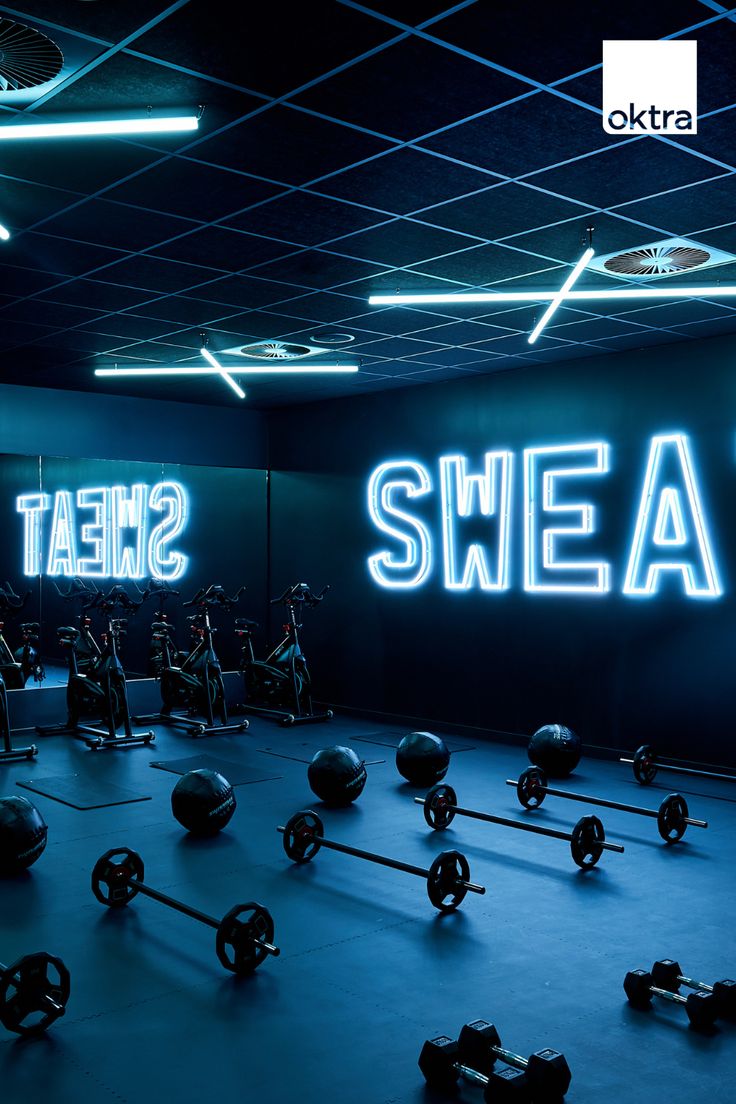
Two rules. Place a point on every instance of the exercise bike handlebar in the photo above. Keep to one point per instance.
(300, 592)
(214, 595)
(158, 588)
(9, 600)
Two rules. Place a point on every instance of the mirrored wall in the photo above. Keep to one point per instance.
(108, 522)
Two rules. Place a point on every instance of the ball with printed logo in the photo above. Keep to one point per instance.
(556, 749)
(23, 834)
(203, 802)
(337, 775)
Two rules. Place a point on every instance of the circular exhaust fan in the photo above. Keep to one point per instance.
(657, 260)
(276, 350)
(27, 57)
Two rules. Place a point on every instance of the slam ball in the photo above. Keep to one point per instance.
(23, 834)
(422, 758)
(203, 802)
(556, 750)
(336, 775)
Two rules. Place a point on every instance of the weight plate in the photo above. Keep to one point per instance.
(438, 807)
(585, 844)
(236, 944)
(645, 767)
(301, 836)
(30, 999)
(671, 818)
(444, 879)
(531, 787)
(115, 875)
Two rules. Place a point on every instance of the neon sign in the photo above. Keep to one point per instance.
(670, 546)
(106, 532)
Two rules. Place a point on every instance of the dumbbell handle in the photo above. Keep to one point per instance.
(470, 1074)
(676, 998)
(689, 983)
(609, 804)
(179, 906)
(509, 1057)
(535, 828)
(382, 860)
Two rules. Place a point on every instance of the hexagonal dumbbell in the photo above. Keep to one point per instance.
(440, 1063)
(667, 974)
(700, 1007)
(546, 1071)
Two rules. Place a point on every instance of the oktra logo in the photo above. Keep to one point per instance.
(650, 87)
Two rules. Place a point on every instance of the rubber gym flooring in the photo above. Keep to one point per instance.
(368, 968)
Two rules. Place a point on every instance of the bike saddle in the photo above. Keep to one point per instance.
(244, 623)
(68, 634)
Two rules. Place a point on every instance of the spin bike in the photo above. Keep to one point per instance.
(28, 655)
(162, 651)
(96, 687)
(194, 688)
(9, 753)
(280, 686)
(11, 670)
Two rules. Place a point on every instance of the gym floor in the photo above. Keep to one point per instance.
(368, 968)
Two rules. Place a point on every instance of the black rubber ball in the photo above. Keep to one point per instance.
(23, 834)
(422, 758)
(336, 775)
(203, 802)
(556, 750)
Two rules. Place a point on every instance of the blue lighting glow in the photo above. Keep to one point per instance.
(493, 491)
(391, 480)
(561, 294)
(544, 572)
(106, 532)
(670, 518)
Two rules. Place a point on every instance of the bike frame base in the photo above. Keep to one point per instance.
(14, 754)
(190, 724)
(284, 716)
(96, 738)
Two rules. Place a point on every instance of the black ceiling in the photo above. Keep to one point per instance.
(346, 149)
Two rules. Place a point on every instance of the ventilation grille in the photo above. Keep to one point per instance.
(662, 258)
(273, 350)
(27, 57)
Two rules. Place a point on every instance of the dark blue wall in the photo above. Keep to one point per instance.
(622, 670)
(37, 421)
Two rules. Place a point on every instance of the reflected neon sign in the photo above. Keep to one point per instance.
(105, 532)
(468, 504)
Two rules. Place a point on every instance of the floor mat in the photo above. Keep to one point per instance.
(305, 753)
(393, 738)
(236, 774)
(81, 792)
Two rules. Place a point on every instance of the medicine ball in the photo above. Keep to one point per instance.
(556, 750)
(203, 802)
(422, 758)
(23, 834)
(337, 776)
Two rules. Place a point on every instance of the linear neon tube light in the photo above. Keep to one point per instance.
(714, 291)
(225, 375)
(560, 295)
(258, 370)
(91, 127)
(4, 233)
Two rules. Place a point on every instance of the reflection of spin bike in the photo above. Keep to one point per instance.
(280, 686)
(9, 753)
(194, 688)
(96, 687)
(17, 667)
(162, 651)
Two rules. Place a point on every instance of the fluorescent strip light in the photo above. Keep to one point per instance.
(715, 291)
(225, 375)
(4, 233)
(560, 295)
(316, 369)
(92, 127)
